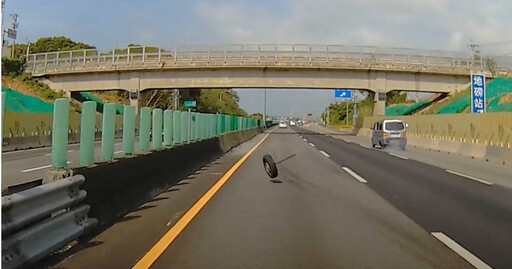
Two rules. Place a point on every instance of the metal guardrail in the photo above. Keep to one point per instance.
(36, 222)
(327, 56)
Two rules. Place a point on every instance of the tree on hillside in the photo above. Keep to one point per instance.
(395, 97)
(208, 101)
(57, 43)
(257, 116)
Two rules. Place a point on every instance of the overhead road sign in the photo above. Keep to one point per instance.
(343, 93)
(187, 104)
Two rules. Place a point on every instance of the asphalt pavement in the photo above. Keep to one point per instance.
(476, 215)
(314, 215)
(335, 204)
(24, 166)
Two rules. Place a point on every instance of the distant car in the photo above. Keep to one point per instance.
(300, 122)
(282, 124)
(292, 123)
(389, 133)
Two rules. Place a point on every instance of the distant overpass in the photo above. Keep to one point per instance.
(138, 69)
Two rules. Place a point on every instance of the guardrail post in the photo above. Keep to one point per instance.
(168, 128)
(157, 129)
(60, 133)
(87, 133)
(144, 129)
(184, 127)
(176, 128)
(108, 132)
(128, 130)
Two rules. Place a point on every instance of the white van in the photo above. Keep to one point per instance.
(389, 133)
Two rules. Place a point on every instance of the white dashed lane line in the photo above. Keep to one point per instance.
(470, 177)
(398, 156)
(38, 168)
(464, 253)
(354, 175)
(325, 154)
(312, 144)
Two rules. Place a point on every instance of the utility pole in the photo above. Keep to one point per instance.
(13, 32)
(346, 116)
(176, 97)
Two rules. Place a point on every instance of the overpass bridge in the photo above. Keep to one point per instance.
(139, 69)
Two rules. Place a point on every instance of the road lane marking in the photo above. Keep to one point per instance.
(152, 255)
(470, 177)
(398, 156)
(325, 154)
(312, 144)
(305, 139)
(354, 174)
(48, 154)
(38, 168)
(118, 152)
(216, 173)
(464, 253)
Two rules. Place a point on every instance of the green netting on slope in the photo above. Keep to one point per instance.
(456, 106)
(19, 102)
(84, 96)
(404, 109)
(495, 89)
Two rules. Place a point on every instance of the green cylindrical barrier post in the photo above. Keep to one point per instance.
(222, 123)
(3, 113)
(203, 126)
(128, 130)
(209, 118)
(193, 128)
(213, 125)
(157, 129)
(108, 131)
(144, 129)
(197, 127)
(184, 127)
(168, 128)
(87, 133)
(60, 133)
(216, 124)
(176, 128)
(226, 123)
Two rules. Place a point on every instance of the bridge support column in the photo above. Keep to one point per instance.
(379, 105)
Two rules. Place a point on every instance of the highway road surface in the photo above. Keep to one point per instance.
(24, 166)
(334, 205)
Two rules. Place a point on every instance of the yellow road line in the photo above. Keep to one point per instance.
(169, 237)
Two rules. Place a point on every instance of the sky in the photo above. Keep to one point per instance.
(429, 24)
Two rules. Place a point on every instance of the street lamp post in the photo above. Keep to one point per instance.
(265, 108)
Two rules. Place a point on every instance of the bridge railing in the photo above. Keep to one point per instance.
(329, 56)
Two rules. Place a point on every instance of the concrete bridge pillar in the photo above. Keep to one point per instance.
(379, 105)
(138, 99)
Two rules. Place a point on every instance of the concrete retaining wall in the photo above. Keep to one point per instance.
(491, 153)
(113, 189)
(488, 128)
(24, 130)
